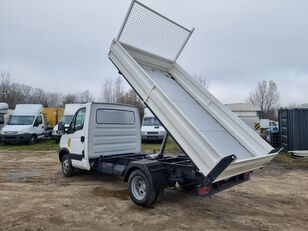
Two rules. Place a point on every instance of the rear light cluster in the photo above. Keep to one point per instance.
(204, 190)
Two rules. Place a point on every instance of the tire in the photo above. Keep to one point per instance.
(67, 167)
(141, 189)
(33, 139)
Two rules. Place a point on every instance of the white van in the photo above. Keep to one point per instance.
(69, 112)
(151, 129)
(26, 125)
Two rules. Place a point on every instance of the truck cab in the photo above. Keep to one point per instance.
(26, 125)
(100, 129)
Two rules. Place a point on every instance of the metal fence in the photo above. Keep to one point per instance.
(148, 30)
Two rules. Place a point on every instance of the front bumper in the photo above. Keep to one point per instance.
(152, 137)
(16, 138)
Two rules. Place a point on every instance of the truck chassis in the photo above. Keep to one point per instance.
(149, 174)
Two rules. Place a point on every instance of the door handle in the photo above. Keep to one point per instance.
(82, 139)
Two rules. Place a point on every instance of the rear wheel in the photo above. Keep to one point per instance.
(67, 167)
(140, 189)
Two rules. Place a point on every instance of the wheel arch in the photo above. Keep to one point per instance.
(155, 172)
(129, 171)
(62, 152)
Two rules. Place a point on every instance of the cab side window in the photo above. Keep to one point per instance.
(78, 120)
(38, 120)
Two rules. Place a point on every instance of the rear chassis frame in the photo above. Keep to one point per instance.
(171, 172)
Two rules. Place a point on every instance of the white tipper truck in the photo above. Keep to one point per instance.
(219, 148)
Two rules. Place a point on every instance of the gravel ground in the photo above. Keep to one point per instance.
(35, 196)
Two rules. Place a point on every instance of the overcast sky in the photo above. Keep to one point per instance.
(62, 45)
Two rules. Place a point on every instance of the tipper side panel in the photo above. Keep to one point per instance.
(145, 52)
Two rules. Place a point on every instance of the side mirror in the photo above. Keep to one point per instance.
(61, 127)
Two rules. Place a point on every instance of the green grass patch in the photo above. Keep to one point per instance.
(171, 147)
(285, 158)
(42, 145)
(49, 145)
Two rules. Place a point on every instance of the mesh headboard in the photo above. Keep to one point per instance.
(147, 30)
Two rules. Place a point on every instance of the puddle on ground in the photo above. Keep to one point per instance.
(21, 175)
(103, 192)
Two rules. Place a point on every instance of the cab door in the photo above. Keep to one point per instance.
(76, 140)
(38, 126)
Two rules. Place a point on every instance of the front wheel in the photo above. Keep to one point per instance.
(33, 139)
(67, 167)
(140, 189)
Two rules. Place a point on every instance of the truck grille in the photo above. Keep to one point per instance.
(152, 133)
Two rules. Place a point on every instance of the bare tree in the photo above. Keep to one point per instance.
(107, 95)
(118, 88)
(266, 96)
(85, 97)
(54, 99)
(112, 90)
(130, 97)
(15, 93)
(38, 96)
(5, 85)
(69, 98)
(203, 81)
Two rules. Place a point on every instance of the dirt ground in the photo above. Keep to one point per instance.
(35, 196)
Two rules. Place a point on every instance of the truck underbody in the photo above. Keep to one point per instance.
(163, 172)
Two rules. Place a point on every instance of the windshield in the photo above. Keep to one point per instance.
(1, 119)
(151, 121)
(66, 119)
(21, 120)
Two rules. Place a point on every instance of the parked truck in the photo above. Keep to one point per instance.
(69, 111)
(26, 125)
(219, 148)
(151, 129)
(269, 125)
(53, 114)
